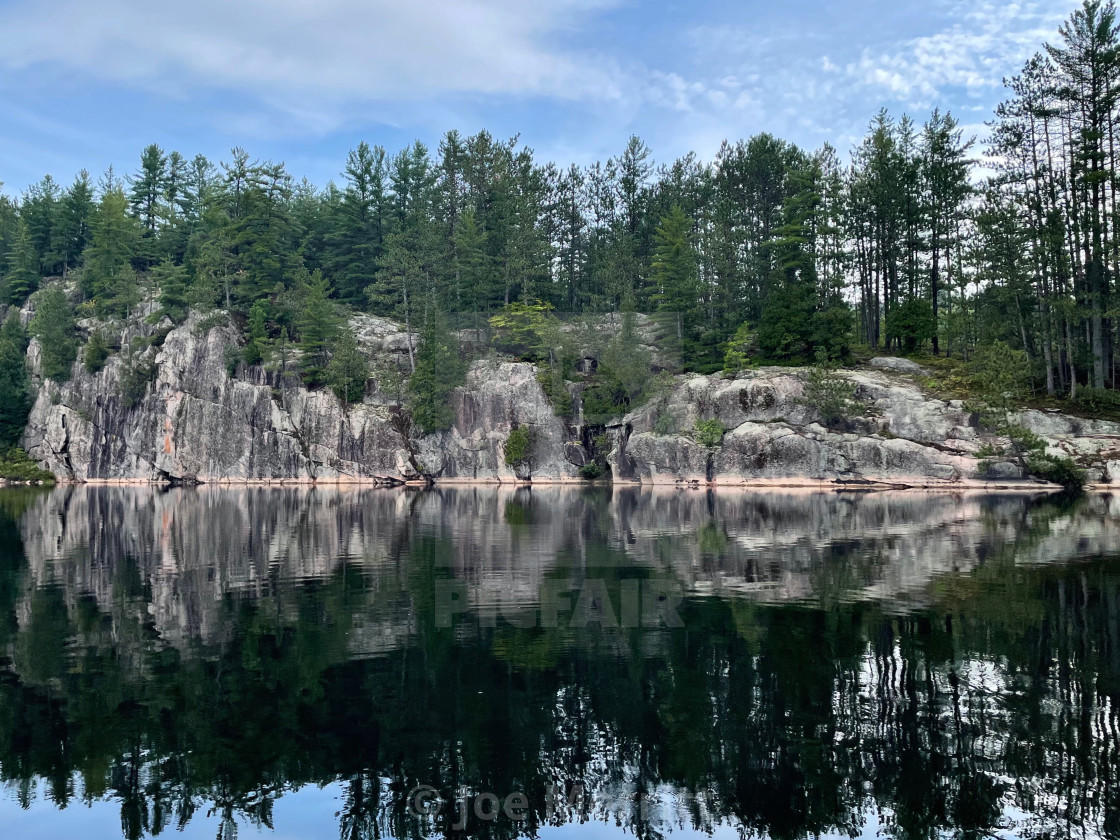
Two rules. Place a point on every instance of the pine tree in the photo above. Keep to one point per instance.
(171, 280)
(348, 369)
(257, 339)
(107, 260)
(53, 325)
(15, 385)
(439, 370)
(22, 277)
(318, 326)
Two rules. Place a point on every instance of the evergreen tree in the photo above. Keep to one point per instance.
(318, 326)
(439, 370)
(73, 229)
(256, 340)
(53, 325)
(22, 276)
(348, 369)
(15, 386)
(106, 269)
(171, 281)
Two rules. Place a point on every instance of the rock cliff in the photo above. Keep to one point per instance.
(201, 419)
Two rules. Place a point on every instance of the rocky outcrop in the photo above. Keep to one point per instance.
(197, 423)
(898, 436)
(203, 419)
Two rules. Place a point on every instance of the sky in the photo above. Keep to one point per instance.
(88, 84)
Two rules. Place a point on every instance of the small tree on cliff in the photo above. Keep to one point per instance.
(15, 387)
(54, 326)
(349, 369)
(439, 370)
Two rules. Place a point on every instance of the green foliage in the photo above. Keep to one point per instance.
(348, 369)
(519, 446)
(1057, 469)
(107, 276)
(97, 352)
(137, 373)
(592, 471)
(708, 433)
(16, 465)
(911, 324)
(15, 385)
(439, 370)
(522, 329)
(738, 355)
(1001, 375)
(666, 424)
(22, 276)
(256, 340)
(553, 381)
(171, 280)
(53, 325)
(829, 395)
(785, 330)
(318, 326)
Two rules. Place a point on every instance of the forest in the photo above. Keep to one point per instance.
(917, 242)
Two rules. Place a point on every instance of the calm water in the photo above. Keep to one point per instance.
(557, 662)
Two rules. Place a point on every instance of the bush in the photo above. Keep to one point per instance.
(666, 424)
(519, 446)
(551, 377)
(348, 369)
(96, 353)
(592, 471)
(520, 329)
(137, 373)
(708, 433)
(16, 465)
(829, 395)
(1058, 470)
(911, 323)
(738, 354)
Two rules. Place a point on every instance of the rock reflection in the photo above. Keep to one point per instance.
(922, 663)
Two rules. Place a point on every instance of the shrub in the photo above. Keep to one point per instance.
(96, 353)
(592, 471)
(1058, 470)
(666, 424)
(519, 445)
(348, 369)
(911, 323)
(738, 354)
(826, 393)
(16, 465)
(520, 329)
(708, 433)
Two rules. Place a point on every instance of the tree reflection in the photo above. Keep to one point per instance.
(987, 693)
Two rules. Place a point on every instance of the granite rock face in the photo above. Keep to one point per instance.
(897, 436)
(197, 423)
(200, 418)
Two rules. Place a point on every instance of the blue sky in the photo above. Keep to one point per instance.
(88, 84)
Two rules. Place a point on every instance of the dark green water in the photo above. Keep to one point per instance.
(310, 663)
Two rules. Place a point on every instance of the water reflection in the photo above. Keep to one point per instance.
(912, 664)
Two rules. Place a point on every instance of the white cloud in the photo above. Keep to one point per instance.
(313, 52)
(993, 40)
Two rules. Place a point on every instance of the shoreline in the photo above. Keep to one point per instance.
(904, 484)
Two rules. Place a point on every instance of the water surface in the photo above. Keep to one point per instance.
(557, 662)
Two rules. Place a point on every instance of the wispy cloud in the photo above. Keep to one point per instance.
(314, 53)
(985, 41)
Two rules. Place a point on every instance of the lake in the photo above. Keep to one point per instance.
(557, 662)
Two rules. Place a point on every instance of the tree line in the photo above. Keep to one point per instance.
(766, 252)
